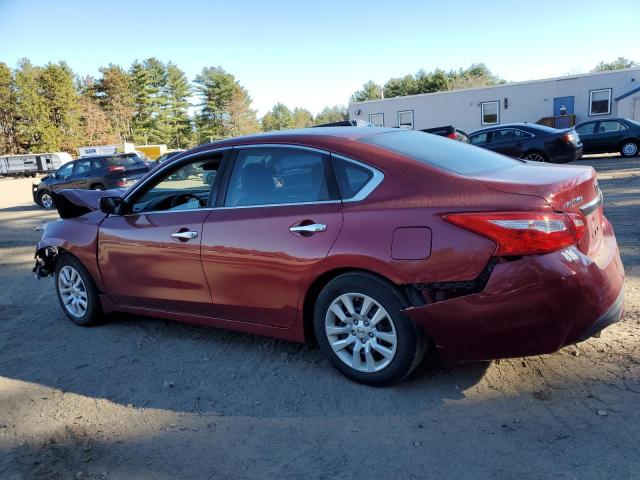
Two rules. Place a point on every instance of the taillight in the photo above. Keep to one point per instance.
(121, 183)
(569, 138)
(115, 168)
(523, 233)
(452, 135)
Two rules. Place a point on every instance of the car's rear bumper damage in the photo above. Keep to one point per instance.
(534, 305)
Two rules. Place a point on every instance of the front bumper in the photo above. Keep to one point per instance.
(531, 306)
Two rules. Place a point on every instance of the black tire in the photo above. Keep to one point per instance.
(629, 148)
(45, 199)
(97, 186)
(541, 157)
(411, 340)
(93, 314)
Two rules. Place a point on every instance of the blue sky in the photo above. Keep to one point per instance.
(312, 54)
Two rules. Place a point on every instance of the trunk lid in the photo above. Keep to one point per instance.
(566, 188)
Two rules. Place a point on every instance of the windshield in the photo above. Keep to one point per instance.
(440, 152)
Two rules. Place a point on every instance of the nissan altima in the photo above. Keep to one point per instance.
(376, 243)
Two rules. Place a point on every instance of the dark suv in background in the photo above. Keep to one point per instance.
(610, 135)
(530, 142)
(99, 172)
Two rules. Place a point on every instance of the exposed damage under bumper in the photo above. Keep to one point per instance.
(46, 259)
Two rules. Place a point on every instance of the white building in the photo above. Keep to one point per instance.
(561, 101)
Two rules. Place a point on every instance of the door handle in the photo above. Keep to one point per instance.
(312, 228)
(189, 235)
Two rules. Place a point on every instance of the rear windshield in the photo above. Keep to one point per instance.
(124, 161)
(440, 152)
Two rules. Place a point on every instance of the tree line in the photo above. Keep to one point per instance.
(51, 108)
(477, 75)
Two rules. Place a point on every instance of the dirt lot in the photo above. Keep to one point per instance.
(144, 398)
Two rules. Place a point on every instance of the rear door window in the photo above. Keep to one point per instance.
(352, 177)
(586, 129)
(610, 126)
(273, 176)
(479, 138)
(439, 152)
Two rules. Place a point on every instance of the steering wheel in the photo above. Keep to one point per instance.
(184, 196)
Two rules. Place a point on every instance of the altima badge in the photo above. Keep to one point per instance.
(573, 201)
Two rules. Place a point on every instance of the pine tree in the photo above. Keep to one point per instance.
(58, 90)
(114, 94)
(302, 118)
(278, 118)
(224, 106)
(8, 141)
(179, 129)
(34, 132)
(337, 113)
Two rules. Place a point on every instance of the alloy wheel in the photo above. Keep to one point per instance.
(535, 157)
(361, 332)
(73, 291)
(47, 201)
(629, 149)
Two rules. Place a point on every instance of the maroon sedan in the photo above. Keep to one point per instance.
(378, 243)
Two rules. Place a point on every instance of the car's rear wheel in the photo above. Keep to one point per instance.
(359, 325)
(46, 200)
(535, 157)
(629, 149)
(77, 293)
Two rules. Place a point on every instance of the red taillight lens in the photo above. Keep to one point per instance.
(115, 168)
(523, 233)
(452, 135)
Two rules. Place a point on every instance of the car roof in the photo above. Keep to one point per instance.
(521, 125)
(303, 136)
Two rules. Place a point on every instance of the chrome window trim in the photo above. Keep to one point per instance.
(370, 186)
(169, 166)
(363, 193)
(210, 209)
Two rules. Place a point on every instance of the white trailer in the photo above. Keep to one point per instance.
(30, 164)
(107, 149)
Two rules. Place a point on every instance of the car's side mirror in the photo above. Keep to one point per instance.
(112, 205)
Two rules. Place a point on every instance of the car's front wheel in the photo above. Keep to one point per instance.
(77, 293)
(360, 327)
(629, 149)
(46, 200)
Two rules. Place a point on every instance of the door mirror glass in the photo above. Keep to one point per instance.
(112, 205)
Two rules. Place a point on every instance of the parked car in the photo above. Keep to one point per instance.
(530, 142)
(167, 156)
(97, 172)
(448, 131)
(378, 243)
(610, 135)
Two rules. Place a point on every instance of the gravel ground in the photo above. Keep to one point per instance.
(145, 398)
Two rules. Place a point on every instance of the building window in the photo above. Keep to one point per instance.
(490, 112)
(405, 119)
(376, 119)
(600, 102)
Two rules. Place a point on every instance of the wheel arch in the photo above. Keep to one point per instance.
(314, 289)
